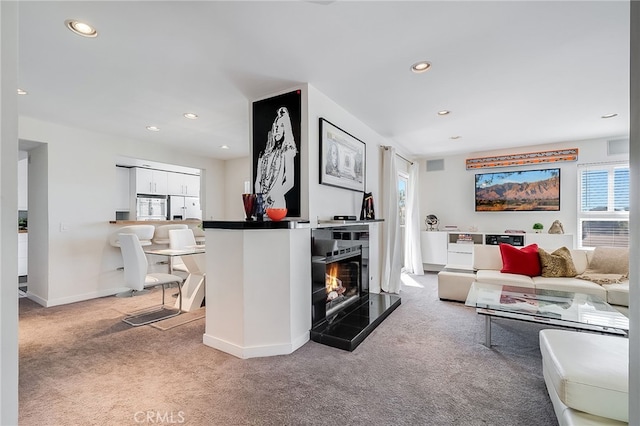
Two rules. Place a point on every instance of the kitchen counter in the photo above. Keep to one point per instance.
(153, 222)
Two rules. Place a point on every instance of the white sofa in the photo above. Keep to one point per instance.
(587, 377)
(586, 374)
(487, 263)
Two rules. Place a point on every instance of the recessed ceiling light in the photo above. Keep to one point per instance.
(153, 128)
(224, 147)
(80, 28)
(22, 92)
(190, 115)
(610, 115)
(421, 66)
(455, 137)
(444, 112)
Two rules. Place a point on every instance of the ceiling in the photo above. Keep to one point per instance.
(511, 73)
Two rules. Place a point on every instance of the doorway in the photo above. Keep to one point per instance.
(33, 276)
(23, 221)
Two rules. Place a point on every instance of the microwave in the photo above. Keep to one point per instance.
(151, 208)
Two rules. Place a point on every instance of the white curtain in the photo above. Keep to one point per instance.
(412, 251)
(391, 254)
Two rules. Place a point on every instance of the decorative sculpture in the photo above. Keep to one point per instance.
(367, 212)
(432, 222)
(556, 228)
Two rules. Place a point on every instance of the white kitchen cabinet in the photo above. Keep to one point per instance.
(23, 253)
(23, 174)
(123, 189)
(183, 184)
(433, 245)
(149, 181)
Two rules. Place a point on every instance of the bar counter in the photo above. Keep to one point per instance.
(255, 224)
(258, 287)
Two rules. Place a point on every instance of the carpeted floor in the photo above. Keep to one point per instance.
(424, 365)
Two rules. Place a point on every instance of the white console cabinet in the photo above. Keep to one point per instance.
(434, 249)
(460, 248)
(456, 248)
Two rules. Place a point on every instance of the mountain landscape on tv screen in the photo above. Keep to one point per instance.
(543, 195)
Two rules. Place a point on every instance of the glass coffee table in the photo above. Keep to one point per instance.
(557, 308)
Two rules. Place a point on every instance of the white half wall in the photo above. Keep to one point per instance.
(450, 194)
(80, 187)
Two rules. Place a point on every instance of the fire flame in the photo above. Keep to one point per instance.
(332, 282)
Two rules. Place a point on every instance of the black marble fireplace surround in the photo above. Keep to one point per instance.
(344, 313)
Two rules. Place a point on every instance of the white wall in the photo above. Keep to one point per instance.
(38, 270)
(8, 214)
(634, 196)
(449, 194)
(80, 180)
(318, 201)
(327, 201)
(236, 172)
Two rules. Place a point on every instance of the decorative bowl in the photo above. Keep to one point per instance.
(276, 214)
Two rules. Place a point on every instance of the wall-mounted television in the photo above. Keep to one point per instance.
(526, 190)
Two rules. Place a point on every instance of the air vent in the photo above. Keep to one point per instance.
(435, 165)
(618, 146)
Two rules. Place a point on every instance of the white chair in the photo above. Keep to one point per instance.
(180, 239)
(161, 236)
(193, 264)
(198, 233)
(144, 232)
(136, 277)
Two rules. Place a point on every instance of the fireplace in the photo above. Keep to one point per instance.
(336, 282)
(343, 311)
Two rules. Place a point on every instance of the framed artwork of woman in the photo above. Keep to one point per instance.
(276, 151)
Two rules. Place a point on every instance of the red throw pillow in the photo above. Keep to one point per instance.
(524, 261)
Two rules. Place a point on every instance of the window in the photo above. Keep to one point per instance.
(603, 205)
(403, 183)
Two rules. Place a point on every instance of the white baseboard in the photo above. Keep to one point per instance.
(245, 352)
(47, 303)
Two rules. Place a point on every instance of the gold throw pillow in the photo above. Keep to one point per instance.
(557, 264)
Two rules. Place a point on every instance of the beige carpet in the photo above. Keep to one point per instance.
(424, 365)
(181, 319)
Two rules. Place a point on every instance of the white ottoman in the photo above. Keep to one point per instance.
(587, 377)
(454, 283)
